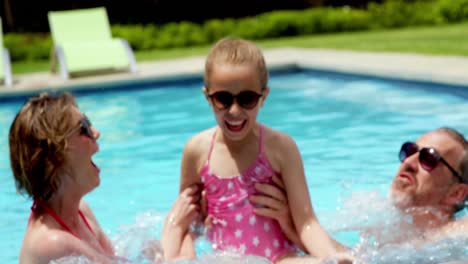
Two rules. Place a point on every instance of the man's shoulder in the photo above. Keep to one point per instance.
(455, 228)
(461, 225)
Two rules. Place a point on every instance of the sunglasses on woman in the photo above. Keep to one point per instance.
(246, 99)
(84, 125)
(429, 158)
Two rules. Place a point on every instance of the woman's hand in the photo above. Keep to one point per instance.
(184, 211)
(273, 203)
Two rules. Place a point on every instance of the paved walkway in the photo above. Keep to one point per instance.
(442, 69)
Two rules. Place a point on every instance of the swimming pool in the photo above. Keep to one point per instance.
(347, 127)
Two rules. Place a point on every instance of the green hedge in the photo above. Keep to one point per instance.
(401, 13)
(32, 46)
(390, 14)
(453, 10)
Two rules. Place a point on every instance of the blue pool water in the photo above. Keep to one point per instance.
(348, 129)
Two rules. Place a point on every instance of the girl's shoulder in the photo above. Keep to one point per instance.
(202, 138)
(276, 139)
(197, 147)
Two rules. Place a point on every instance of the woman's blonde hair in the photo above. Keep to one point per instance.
(38, 141)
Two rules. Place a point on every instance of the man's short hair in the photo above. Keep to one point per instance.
(460, 138)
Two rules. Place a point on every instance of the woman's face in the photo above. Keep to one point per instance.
(82, 145)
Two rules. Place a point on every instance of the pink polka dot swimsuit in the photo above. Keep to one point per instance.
(235, 225)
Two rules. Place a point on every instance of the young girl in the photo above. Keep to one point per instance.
(230, 158)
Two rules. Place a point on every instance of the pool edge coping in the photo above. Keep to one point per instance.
(394, 66)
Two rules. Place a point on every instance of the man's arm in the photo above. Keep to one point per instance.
(314, 237)
(272, 202)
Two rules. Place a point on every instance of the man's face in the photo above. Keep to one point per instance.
(414, 186)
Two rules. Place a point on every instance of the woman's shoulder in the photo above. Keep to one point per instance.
(87, 211)
(42, 242)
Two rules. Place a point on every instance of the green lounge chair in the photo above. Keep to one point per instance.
(83, 43)
(5, 64)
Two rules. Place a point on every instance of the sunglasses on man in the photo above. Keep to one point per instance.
(429, 158)
(246, 99)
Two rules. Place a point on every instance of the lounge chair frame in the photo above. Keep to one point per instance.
(8, 77)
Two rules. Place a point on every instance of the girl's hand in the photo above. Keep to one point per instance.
(273, 203)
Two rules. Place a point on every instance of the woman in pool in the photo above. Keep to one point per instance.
(51, 148)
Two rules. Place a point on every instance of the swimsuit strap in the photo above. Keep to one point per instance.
(86, 221)
(58, 219)
(211, 146)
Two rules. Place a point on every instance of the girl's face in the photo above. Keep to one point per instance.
(235, 95)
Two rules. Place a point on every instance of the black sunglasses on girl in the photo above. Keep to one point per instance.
(246, 99)
(84, 127)
(429, 158)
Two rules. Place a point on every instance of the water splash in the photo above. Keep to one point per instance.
(72, 260)
(380, 236)
(359, 211)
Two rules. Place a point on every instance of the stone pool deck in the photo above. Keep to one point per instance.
(439, 69)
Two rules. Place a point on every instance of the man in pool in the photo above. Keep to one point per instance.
(433, 176)
(430, 186)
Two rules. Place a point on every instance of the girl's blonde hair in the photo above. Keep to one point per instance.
(235, 51)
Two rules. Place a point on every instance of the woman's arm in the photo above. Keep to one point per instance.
(179, 242)
(176, 226)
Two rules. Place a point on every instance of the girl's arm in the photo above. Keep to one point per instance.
(314, 237)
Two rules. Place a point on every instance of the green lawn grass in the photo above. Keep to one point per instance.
(436, 40)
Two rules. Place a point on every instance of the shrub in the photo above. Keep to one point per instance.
(216, 29)
(454, 10)
(390, 14)
(399, 13)
(28, 46)
(138, 36)
(181, 34)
